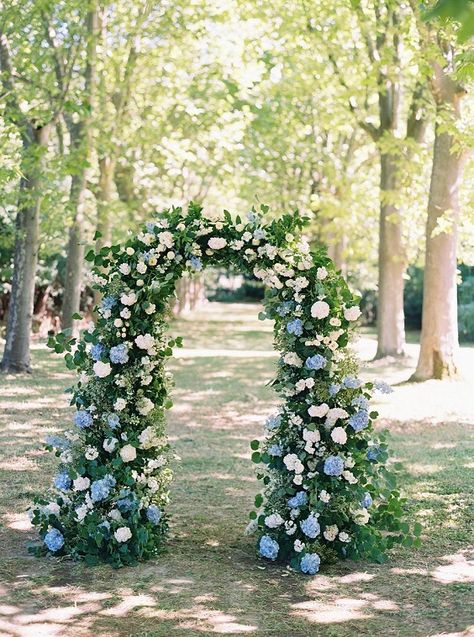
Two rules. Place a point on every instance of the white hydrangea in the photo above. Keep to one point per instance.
(273, 521)
(120, 404)
(148, 438)
(128, 453)
(81, 484)
(109, 444)
(145, 406)
(334, 414)
(318, 411)
(91, 453)
(166, 239)
(350, 477)
(146, 342)
(128, 299)
(124, 268)
(324, 496)
(293, 463)
(123, 534)
(102, 369)
(321, 273)
(141, 267)
(311, 436)
(298, 545)
(290, 527)
(320, 310)
(292, 358)
(352, 313)
(217, 243)
(339, 435)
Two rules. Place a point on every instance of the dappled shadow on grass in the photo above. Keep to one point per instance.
(209, 582)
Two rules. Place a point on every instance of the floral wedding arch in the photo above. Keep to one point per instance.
(325, 489)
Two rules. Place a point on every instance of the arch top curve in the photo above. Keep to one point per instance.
(321, 458)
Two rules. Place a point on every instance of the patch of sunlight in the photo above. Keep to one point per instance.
(444, 445)
(418, 468)
(18, 390)
(199, 619)
(409, 571)
(469, 632)
(214, 544)
(458, 570)
(351, 578)
(128, 604)
(469, 465)
(18, 463)
(46, 401)
(17, 521)
(227, 353)
(342, 609)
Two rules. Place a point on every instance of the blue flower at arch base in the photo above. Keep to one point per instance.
(112, 486)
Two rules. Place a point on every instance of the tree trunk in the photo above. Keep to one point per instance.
(439, 333)
(105, 194)
(16, 357)
(81, 139)
(391, 265)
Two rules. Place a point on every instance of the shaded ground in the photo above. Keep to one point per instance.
(210, 582)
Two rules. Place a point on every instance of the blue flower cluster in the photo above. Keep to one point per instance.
(275, 450)
(310, 526)
(383, 387)
(259, 234)
(119, 354)
(359, 420)
(295, 327)
(97, 351)
(360, 401)
(54, 540)
(284, 308)
(334, 389)
(83, 419)
(298, 500)
(58, 442)
(373, 453)
(153, 513)
(62, 481)
(268, 547)
(113, 420)
(315, 362)
(310, 563)
(351, 382)
(196, 263)
(108, 302)
(273, 422)
(333, 466)
(100, 490)
(127, 501)
(366, 501)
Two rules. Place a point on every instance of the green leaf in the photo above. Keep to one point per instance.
(256, 457)
(255, 444)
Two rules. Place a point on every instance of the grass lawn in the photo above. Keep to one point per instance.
(209, 582)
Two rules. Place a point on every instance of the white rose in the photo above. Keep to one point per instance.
(102, 369)
(217, 243)
(298, 479)
(335, 414)
(109, 444)
(344, 537)
(115, 515)
(335, 322)
(128, 453)
(145, 406)
(320, 310)
(324, 496)
(141, 267)
(298, 546)
(123, 534)
(350, 477)
(120, 404)
(81, 513)
(150, 309)
(91, 453)
(145, 341)
(352, 313)
(339, 435)
(81, 484)
(52, 508)
(361, 516)
(130, 251)
(273, 521)
(321, 273)
(318, 411)
(166, 239)
(118, 322)
(330, 533)
(125, 313)
(124, 268)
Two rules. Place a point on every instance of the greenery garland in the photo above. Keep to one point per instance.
(326, 488)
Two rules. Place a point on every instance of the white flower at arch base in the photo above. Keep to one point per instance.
(320, 452)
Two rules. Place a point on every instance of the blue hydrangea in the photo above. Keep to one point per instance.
(284, 308)
(100, 490)
(108, 302)
(310, 526)
(97, 351)
(268, 547)
(361, 402)
(150, 225)
(359, 420)
(113, 420)
(83, 419)
(127, 501)
(252, 217)
(259, 234)
(119, 354)
(310, 563)
(275, 450)
(62, 481)
(366, 501)
(383, 387)
(373, 453)
(333, 466)
(54, 540)
(295, 327)
(315, 362)
(334, 388)
(351, 382)
(196, 263)
(58, 442)
(298, 500)
(153, 513)
(111, 481)
(273, 422)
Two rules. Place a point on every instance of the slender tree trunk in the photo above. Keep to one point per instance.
(104, 199)
(16, 356)
(439, 333)
(391, 265)
(81, 140)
